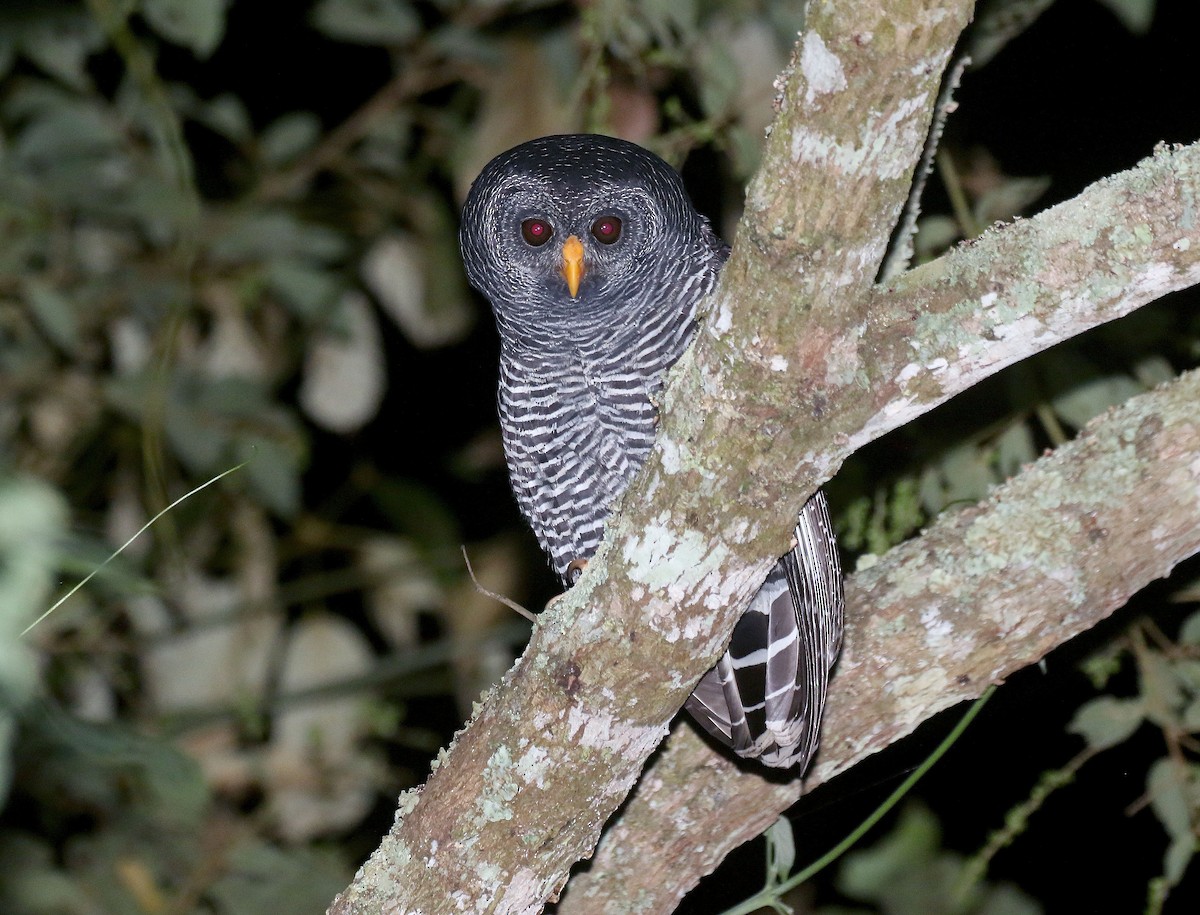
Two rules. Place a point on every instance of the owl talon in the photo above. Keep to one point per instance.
(575, 570)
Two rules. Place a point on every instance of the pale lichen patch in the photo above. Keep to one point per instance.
(500, 786)
(821, 68)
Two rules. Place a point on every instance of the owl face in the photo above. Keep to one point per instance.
(570, 226)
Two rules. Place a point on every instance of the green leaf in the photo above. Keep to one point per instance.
(1091, 398)
(1189, 632)
(61, 44)
(289, 137)
(1009, 199)
(263, 880)
(1162, 691)
(259, 236)
(781, 850)
(195, 24)
(1107, 721)
(375, 22)
(870, 874)
(1135, 15)
(1177, 858)
(273, 470)
(309, 292)
(54, 313)
(1168, 799)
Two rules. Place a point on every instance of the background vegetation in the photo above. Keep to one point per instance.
(227, 235)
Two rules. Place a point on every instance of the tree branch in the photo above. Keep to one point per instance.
(526, 787)
(980, 595)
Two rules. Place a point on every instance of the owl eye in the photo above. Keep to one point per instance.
(606, 229)
(536, 231)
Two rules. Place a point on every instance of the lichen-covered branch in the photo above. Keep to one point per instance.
(981, 594)
(797, 364)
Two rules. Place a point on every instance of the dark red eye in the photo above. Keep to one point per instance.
(536, 231)
(606, 229)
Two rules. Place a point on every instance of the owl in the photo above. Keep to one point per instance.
(594, 261)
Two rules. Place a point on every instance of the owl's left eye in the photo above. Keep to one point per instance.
(536, 231)
(606, 229)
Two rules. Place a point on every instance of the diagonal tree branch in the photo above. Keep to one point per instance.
(797, 365)
(981, 594)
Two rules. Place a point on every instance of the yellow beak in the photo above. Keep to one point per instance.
(572, 268)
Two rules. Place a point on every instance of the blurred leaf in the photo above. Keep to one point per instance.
(781, 850)
(420, 287)
(1162, 693)
(1107, 721)
(265, 880)
(1189, 632)
(107, 769)
(1135, 15)
(413, 510)
(375, 22)
(1010, 198)
(273, 471)
(1179, 855)
(1091, 398)
(719, 80)
(912, 843)
(997, 22)
(195, 24)
(32, 519)
(226, 115)
(1015, 448)
(258, 235)
(1165, 784)
(289, 137)
(33, 883)
(54, 314)
(60, 45)
(964, 474)
(935, 234)
(309, 292)
(344, 370)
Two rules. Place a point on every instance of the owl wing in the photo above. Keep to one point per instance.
(765, 696)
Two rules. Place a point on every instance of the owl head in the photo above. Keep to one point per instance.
(572, 228)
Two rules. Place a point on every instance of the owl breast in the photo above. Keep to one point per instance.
(578, 422)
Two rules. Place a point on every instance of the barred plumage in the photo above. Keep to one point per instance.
(578, 378)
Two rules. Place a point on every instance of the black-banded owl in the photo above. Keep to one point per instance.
(594, 261)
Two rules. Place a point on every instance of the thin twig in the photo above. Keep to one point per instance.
(508, 602)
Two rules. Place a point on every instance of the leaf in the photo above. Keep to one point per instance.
(260, 879)
(259, 235)
(1010, 198)
(344, 372)
(870, 874)
(1162, 691)
(309, 292)
(1178, 856)
(289, 137)
(1135, 15)
(1091, 398)
(1014, 448)
(226, 114)
(781, 850)
(54, 313)
(1189, 632)
(1107, 721)
(61, 44)
(195, 24)
(1165, 784)
(273, 471)
(375, 22)
(418, 287)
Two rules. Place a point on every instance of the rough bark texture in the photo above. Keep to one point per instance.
(981, 594)
(800, 361)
